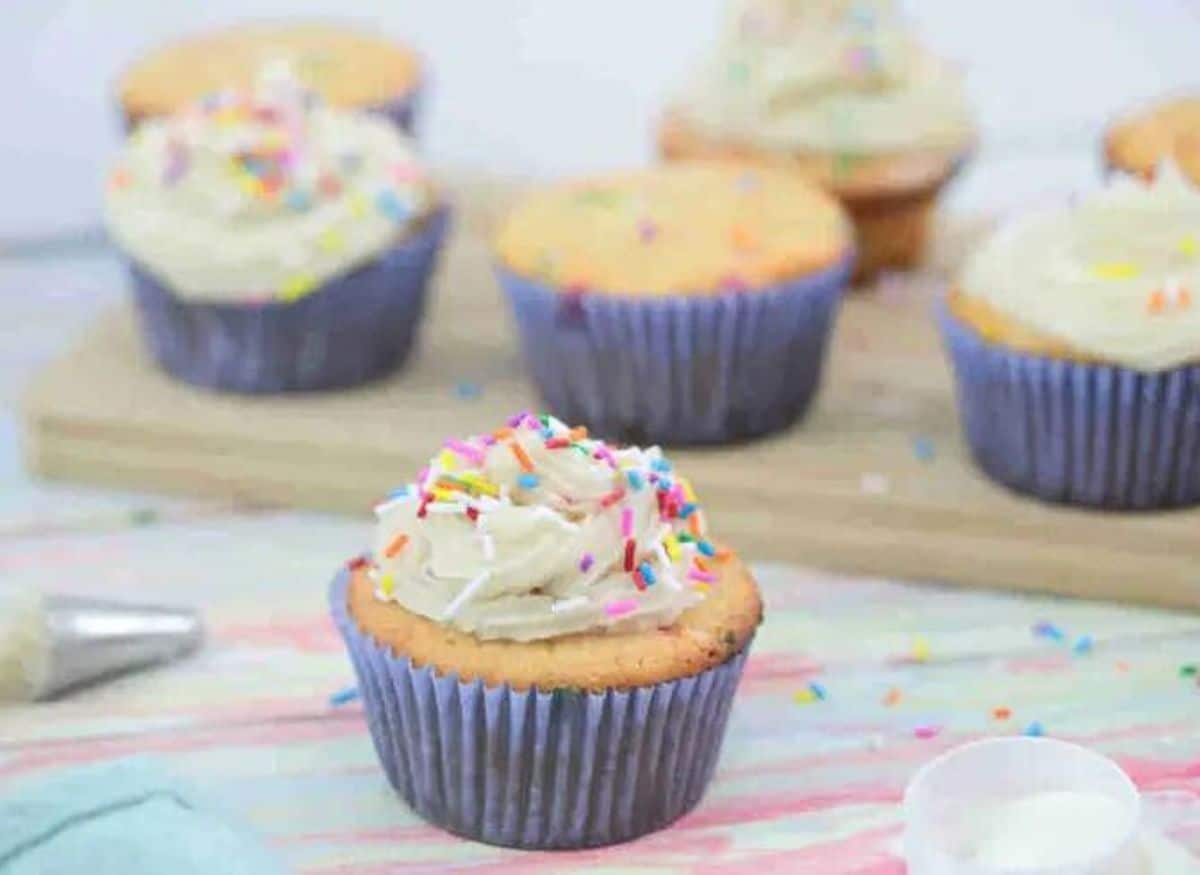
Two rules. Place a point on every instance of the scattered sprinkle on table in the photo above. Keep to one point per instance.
(1048, 630)
(467, 390)
(924, 449)
(1001, 713)
(892, 698)
(1083, 644)
(920, 649)
(1034, 730)
(1188, 671)
(927, 732)
(343, 697)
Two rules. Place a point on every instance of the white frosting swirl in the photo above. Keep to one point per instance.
(1116, 277)
(262, 195)
(841, 76)
(527, 535)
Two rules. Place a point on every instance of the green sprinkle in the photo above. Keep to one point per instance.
(1188, 671)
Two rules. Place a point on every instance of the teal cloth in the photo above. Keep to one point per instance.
(126, 817)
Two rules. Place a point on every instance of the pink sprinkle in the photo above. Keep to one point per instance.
(627, 522)
(702, 576)
(586, 562)
(603, 452)
(514, 421)
(926, 732)
(465, 450)
(620, 607)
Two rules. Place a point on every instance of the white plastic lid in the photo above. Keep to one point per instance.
(957, 803)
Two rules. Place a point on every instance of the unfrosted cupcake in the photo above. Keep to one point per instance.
(275, 244)
(842, 93)
(350, 69)
(1170, 130)
(1075, 337)
(685, 304)
(545, 638)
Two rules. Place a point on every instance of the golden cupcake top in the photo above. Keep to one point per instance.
(348, 68)
(1167, 130)
(702, 228)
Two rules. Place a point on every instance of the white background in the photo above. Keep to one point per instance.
(547, 87)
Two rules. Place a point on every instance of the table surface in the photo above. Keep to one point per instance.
(812, 786)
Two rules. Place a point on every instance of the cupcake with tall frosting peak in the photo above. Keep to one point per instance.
(275, 243)
(549, 612)
(1075, 334)
(841, 91)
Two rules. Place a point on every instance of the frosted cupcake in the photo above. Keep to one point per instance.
(842, 93)
(1075, 336)
(686, 304)
(1137, 143)
(349, 69)
(275, 244)
(546, 640)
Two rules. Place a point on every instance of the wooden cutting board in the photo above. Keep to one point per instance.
(876, 481)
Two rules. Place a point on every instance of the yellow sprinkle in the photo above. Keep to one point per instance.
(1116, 270)
(920, 650)
(443, 494)
(804, 696)
(688, 492)
(252, 185)
(701, 587)
(672, 546)
(480, 483)
(298, 286)
(447, 460)
(1189, 246)
(387, 584)
(358, 205)
(331, 241)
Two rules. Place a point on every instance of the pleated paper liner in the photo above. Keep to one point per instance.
(1100, 436)
(539, 769)
(355, 328)
(678, 369)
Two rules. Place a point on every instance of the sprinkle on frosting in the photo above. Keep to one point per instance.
(538, 530)
(262, 193)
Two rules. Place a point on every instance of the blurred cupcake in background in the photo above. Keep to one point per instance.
(275, 244)
(349, 69)
(546, 640)
(841, 92)
(1075, 337)
(1169, 130)
(685, 304)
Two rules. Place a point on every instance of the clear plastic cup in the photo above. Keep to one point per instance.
(949, 798)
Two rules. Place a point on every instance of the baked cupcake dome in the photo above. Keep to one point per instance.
(275, 244)
(1140, 141)
(1076, 345)
(842, 94)
(546, 640)
(350, 69)
(684, 304)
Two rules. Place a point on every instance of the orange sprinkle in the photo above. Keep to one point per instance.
(1157, 302)
(396, 546)
(1185, 298)
(694, 524)
(724, 554)
(502, 434)
(578, 433)
(893, 697)
(120, 178)
(743, 237)
(1002, 713)
(522, 457)
(701, 564)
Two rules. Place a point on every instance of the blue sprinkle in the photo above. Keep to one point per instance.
(818, 690)
(547, 433)
(687, 510)
(706, 548)
(298, 200)
(664, 484)
(661, 465)
(391, 206)
(1046, 629)
(636, 483)
(528, 481)
(1035, 730)
(398, 493)
(1083, 644)
(467, 390)
(647, 574)
(343, 697)
(923, 449)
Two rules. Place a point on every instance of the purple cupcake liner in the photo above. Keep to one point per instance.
(1100, 436)
(355, 328)
(678, 369)
(539, 769)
